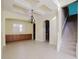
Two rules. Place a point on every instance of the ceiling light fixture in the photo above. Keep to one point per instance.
(32, 17)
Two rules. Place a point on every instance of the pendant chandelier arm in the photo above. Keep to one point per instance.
(32, 18)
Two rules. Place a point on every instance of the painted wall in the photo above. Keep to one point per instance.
(53, 31)
(40, 28)
(3, 29)
(9, 14)
(40, 31)
(27, 27)
(73, 8)
(15, 15)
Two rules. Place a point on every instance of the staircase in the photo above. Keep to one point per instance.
(69, 40)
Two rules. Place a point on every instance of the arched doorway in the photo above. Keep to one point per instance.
(34, 31)
(47, 30)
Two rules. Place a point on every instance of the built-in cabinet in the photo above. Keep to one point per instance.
(17, 37)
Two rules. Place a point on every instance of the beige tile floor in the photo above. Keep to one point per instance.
(35, 50)
(32, 50)
(29, 50)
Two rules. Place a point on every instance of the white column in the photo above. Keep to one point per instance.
(53, 31)
(59, 29)
(3, 30)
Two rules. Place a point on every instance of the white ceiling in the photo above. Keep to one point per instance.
(40, 7)
(65, 2)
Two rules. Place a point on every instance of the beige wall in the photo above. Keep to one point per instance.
(40, 31)
(39, 28)
(53, 31)
(12, 15)
(27, 27)
(15, 15)
(2, 29)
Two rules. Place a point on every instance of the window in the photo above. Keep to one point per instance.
(17, 27)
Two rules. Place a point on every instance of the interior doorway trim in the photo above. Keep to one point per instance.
(47, 30)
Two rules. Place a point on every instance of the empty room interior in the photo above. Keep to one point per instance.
(39, 29)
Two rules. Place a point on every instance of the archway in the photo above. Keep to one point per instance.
(47, 30)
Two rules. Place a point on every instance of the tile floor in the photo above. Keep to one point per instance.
(29, 50)
(39, 50)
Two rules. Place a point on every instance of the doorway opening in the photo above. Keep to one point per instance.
(47, 30)
(34, 31)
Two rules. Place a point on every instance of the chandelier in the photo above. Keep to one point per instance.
(32, 17)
